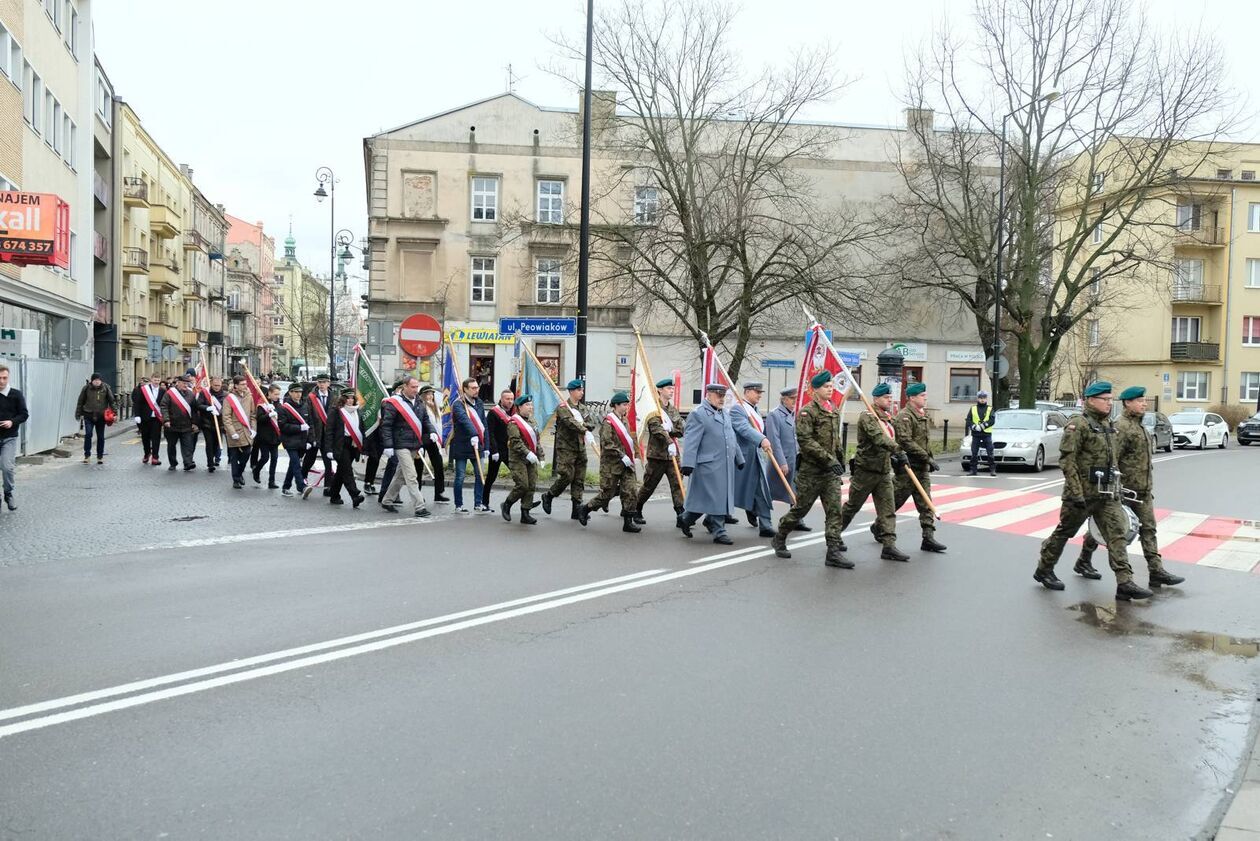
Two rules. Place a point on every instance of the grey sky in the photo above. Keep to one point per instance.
(256, 94)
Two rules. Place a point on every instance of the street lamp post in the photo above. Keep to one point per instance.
(1001, 220)
(341, 241)
(584, 231)
(324, 175)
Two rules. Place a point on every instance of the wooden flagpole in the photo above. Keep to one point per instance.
(682, 488)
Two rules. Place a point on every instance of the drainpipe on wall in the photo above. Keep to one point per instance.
(1229, 299)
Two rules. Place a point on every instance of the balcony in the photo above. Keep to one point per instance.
(1194, 352)
(192, 338)
(1200, 237)
(100, 191)
(135, 261)
(216, 293)
(194, 241)
(1195, 293)
(196, 290)
(164, 220)
(134, 326)
(163, 277)
(216, 250)
(100, 248)
(135, 192)
(239, 305)
(216, 338)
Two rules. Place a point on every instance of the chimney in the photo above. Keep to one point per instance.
(187, 171)
(920, 120)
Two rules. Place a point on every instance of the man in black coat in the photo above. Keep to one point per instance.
(321, 403)
(267, 441)
(13, 414)
(496, 430)
(179, 420)
(295, 436)
(209, 412)
(146, 402)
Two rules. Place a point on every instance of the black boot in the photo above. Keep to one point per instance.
(506, 510)
(892, 553)
(583, 514)
(1131, 590)
(1085, 568)
(628, 524)
(779, 545)
(577, 510)
(8, 501)
(730, 521)
(875, 534)
(801, 527)
(835, 558)
(1047, 579)
(638, 518)
(1159, 577)
(546, 502)
(751, 518)
(683, 525)
(930, 545)
(525, 518)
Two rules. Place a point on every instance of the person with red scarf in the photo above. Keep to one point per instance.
(238, 426)
(179, 420)
(522, 440)
(497, 421)
(343, 442)
(616, 466)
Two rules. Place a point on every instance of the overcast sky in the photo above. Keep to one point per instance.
(256, 94)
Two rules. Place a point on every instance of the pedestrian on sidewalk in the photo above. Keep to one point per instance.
(94, 401)
(343, 443)
(146, 400)
(13, 414)
(468, 433)
(497, 420)
(238, 426)
(404, 427)
(179, 420)
(432, 448)
(294, 431)
(522, 440)
(267, 442)
(209, 408)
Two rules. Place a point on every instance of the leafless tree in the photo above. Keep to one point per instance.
(1089, 173)
(708, 211)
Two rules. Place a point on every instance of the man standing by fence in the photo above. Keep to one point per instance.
(13, 414)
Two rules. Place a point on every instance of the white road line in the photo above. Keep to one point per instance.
(996, 496)
(1001, 519)
(233, 665)
(1240, 555)
(224, 539)
(344, 653)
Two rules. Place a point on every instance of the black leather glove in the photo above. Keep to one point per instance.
(933, 466)
(899, 460)
(739, 465)
(687, 471)
(798, 462)
(837, 469)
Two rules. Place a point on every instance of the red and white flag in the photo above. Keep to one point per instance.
(821, 356)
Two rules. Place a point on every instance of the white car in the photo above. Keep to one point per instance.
(1026, 437)
(1197, 428)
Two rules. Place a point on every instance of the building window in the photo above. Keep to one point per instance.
(485, 199)
(1095, 284)
(51, 110)
(104, 102)
(547, 281)
(647, 205)
(1192, 385)
(1188, 280)
(6, 183)
(234, 334)
(1253, 218)
(1189, 217)
(1253, 273)
(1225, 174)
(1250, 389)
(483, 280)
(279, 340)
(1098, 233)
(963, 384)
(234, 299)
(549, 357)
(72, 33)
(911, 374)
(277, 321)
(29, 100)
(551, 202)
(1100, 178)
(11, 63)
(1186, 328)
(1094, 330)
(1251, 330)
(74, 251)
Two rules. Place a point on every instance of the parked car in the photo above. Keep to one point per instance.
(1160, 428)
(1025, 437)
(1249, 430)
(1197, 428)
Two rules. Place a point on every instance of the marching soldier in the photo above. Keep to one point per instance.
(616, 466)
(822, 465)
(710, 460)
(752, 492)
(523, 449)
(877, 455)
(785, 450)
(664, 432)
(1133, 457)
(911, 426)
(572, 436)
(1091, 489)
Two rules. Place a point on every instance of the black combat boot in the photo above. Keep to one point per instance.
(875, 534)
(526, 519)
(628, 524)
(801, 527)
(583, 514)
(638, 518)
(1159, 577)
(835, 558)
(1085, 568)
(892, 553)
(683, 525)
(575, 514)
(546, 502)
(779, 545)
(1130, 590)
(930, 545)
(506, 510)
(1047, 579)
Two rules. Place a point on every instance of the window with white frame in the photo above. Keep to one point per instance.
(1095, 284)
(1186, 328)
(1094, 331)
(10, 56)
(483, 269)
(1249, 390)
(31, 97)
(1189, 217)
(1252, 277)
(234, 334)
(50, 117)
(1098, 233)
(547, 281)
(1100, 178)
(277, 321)
(1192, 385)
(1187, 280)
(58, 127)
(1253, 217)
(647, 205)
(72, 31)
(234, 300)
(1251, 330)
(6, 183)
(551, 202)
(485, 199)
(74, 250)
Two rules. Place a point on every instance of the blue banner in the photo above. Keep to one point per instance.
(450, 384)
(535, 382)
(536, 326)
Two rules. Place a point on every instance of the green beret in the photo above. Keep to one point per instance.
(1100, 387)
(881, 389)
(523, 399)
(619, 398)
(1133, 392)
(665, 383)
(575, 384)
(821, 378)
(915, 388)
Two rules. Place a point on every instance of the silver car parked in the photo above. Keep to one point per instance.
(1023, 437)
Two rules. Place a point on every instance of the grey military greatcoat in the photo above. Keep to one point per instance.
(712, 453)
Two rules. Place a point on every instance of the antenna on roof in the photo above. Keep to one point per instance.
(512, 79)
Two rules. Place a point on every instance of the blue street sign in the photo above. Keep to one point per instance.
(778, 363)
(810, 332)
(538, 326)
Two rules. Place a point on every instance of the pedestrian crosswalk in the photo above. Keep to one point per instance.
(1185, 537)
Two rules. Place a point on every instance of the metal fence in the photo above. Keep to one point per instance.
(51, 388)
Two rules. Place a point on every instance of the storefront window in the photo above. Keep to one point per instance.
(481, 369)
(963, 384)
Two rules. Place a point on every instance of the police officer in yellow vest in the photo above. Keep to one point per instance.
(979, 425)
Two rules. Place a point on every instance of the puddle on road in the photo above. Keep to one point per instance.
(1121, 625)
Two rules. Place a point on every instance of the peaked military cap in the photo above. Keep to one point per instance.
(322, 378)
(426, 388)
(718, 387)
(619, 398)
(881, 389)
(349, 392)
(915, 388)
(295, 386)
(821, 378)
(1100, 387)
(754, 386)
(1133, 392)
(790, 391)
(665, 383)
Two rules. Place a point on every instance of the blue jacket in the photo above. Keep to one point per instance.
(750, 483)
(712, 453)
(463, 430)
(781, 430)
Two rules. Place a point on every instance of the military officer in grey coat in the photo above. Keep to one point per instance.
(781, 430)
(710, 460)
(752, 491)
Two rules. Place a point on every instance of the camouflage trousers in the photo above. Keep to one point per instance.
(1144, 507)
(879, 488)
(903, 489)
(652, 474)
(616, 481)
(1111, 521)
(570, 472)
(524, 481)
(813, 483)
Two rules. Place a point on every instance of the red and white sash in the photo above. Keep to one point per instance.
(239, 411)
(623, 434)
(754, 418)
(297, 416)
(212, 400)
(470, 409)
(152, 401)
(271, 416)
(178, 398)
(888, 428)
(319, 407)
(503, 416)
(352, 429)
(408, 414)
(527, 432)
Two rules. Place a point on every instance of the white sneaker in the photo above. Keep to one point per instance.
(459, 509)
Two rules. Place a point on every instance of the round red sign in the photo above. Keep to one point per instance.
(420, 335)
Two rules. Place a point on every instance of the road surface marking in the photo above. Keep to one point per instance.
(1002, 520)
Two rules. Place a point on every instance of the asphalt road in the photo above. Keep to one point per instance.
(466, 678)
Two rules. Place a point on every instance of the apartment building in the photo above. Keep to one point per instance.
(105, 221)
(205, 298)
(244, 307)
(442, 191)
(258, 249)
(300, 319)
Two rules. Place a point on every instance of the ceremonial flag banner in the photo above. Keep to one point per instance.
(643, 400)
(370, 388)
(715, 372)
(450, 384)
(821, 356)
(536, 382)
(201, 375)
(254, 390)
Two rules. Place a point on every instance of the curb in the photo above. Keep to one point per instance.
(1242, 819)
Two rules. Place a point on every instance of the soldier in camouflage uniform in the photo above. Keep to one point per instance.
(572, 436)
(1087, 458)
(663, 436)
(522, 460)
(821, 466)
(616, 466)
(911, 426)
(878, 454)
(1133, 457)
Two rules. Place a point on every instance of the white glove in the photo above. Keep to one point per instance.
(433, 436)
(627, 461)
(214, 411)
(532, 458)
(328, 456)
(137, 421)
(590, 438)
(235, 436)
(306, 427)
(494, 456)
(673, 450)
(309, 444)
(388, 452)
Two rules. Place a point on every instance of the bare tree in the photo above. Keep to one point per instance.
(1106, 119)
(708, 210)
